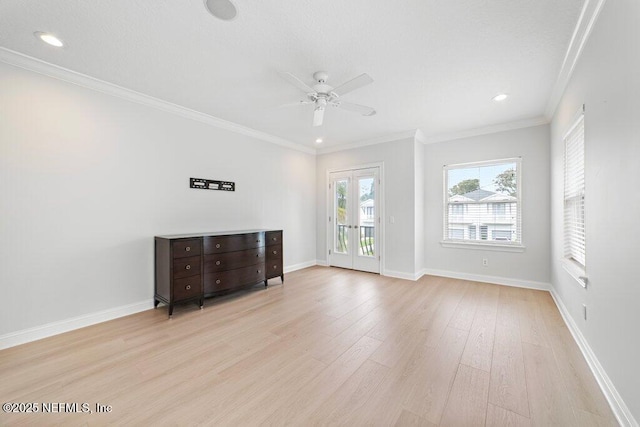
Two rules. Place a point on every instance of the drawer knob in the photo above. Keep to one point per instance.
(275, 252)
(258, 271)
(217, 245)
(187, 287)
(188, 248)
(218, 262)
(188, 267)
(275, 266)
(218, 282)
(275, 238)
(257, 241)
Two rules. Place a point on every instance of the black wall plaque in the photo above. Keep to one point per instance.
(211, 184)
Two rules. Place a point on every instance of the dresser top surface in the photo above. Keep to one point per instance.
(212, 233)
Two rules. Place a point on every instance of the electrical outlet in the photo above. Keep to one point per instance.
(584, 311)
(485, 262)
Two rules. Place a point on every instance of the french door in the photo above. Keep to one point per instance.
(354, 219)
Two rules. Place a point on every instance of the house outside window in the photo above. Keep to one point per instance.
(482, 203)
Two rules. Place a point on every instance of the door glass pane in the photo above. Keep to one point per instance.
(367, 215)
(341, 236)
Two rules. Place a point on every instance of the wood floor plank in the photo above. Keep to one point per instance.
(500, 417)
(408, 419)
(508, 386)
(433, 380)
(548, 396)
(478, 352)
(351, 396)
(325, 384)
(465, 311)
(532, 326)
(332, 347)
(587, 419)
(467, 403)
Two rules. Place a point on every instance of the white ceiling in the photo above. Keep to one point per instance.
(436, 63)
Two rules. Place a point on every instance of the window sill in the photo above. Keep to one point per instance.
(482, 246)
(576, 271)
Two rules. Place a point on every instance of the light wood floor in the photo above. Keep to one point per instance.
(331, 347)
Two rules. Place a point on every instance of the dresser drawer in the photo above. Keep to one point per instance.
(233, 260)
(273, 269)
(230, 279)
(185, 267)
(273, 238)
(238, 242)
(187, 287)
(274, 252)
(185, 248)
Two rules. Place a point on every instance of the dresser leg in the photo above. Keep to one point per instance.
(201, 303)
(266, 283)
(282, 278)
(170, 310)
(155, 303)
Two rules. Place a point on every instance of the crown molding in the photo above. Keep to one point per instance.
(588, 17)
(373, 141)
(41, 67)
(502, 127)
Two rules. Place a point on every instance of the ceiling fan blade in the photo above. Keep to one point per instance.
(353, 84)
(318, 116)
(295, 104)
(356, 108)
(296, 82)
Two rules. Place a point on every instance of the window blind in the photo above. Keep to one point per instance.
(574, 190)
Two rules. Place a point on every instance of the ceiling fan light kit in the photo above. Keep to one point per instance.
(221, 9)
(321, 94)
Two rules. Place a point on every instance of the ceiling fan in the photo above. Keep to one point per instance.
(322, 95)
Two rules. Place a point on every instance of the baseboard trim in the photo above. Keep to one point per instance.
(54, 328)
(322, 262)
(619, 408)
(506, 281)
(401, 275)
(300, 266)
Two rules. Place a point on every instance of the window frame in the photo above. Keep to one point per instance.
(575, 268)
(483, 244)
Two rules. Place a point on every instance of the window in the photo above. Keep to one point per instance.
(456, 233)
(501, 235)
(499, 209)
(484, 232)
(472, 232)
(484, 200)
(457, 209)
(574, 189)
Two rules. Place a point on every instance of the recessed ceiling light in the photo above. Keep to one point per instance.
(500, 97)
(221, 9)
(319, 141)
(49, 39)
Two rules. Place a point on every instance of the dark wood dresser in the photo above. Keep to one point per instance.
(190, 267)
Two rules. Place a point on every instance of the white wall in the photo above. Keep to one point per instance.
(419, 193)
(606, 79)
(530, 267)
(87, 180)
(399, 200)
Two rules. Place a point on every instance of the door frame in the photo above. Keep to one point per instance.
(329, 202)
